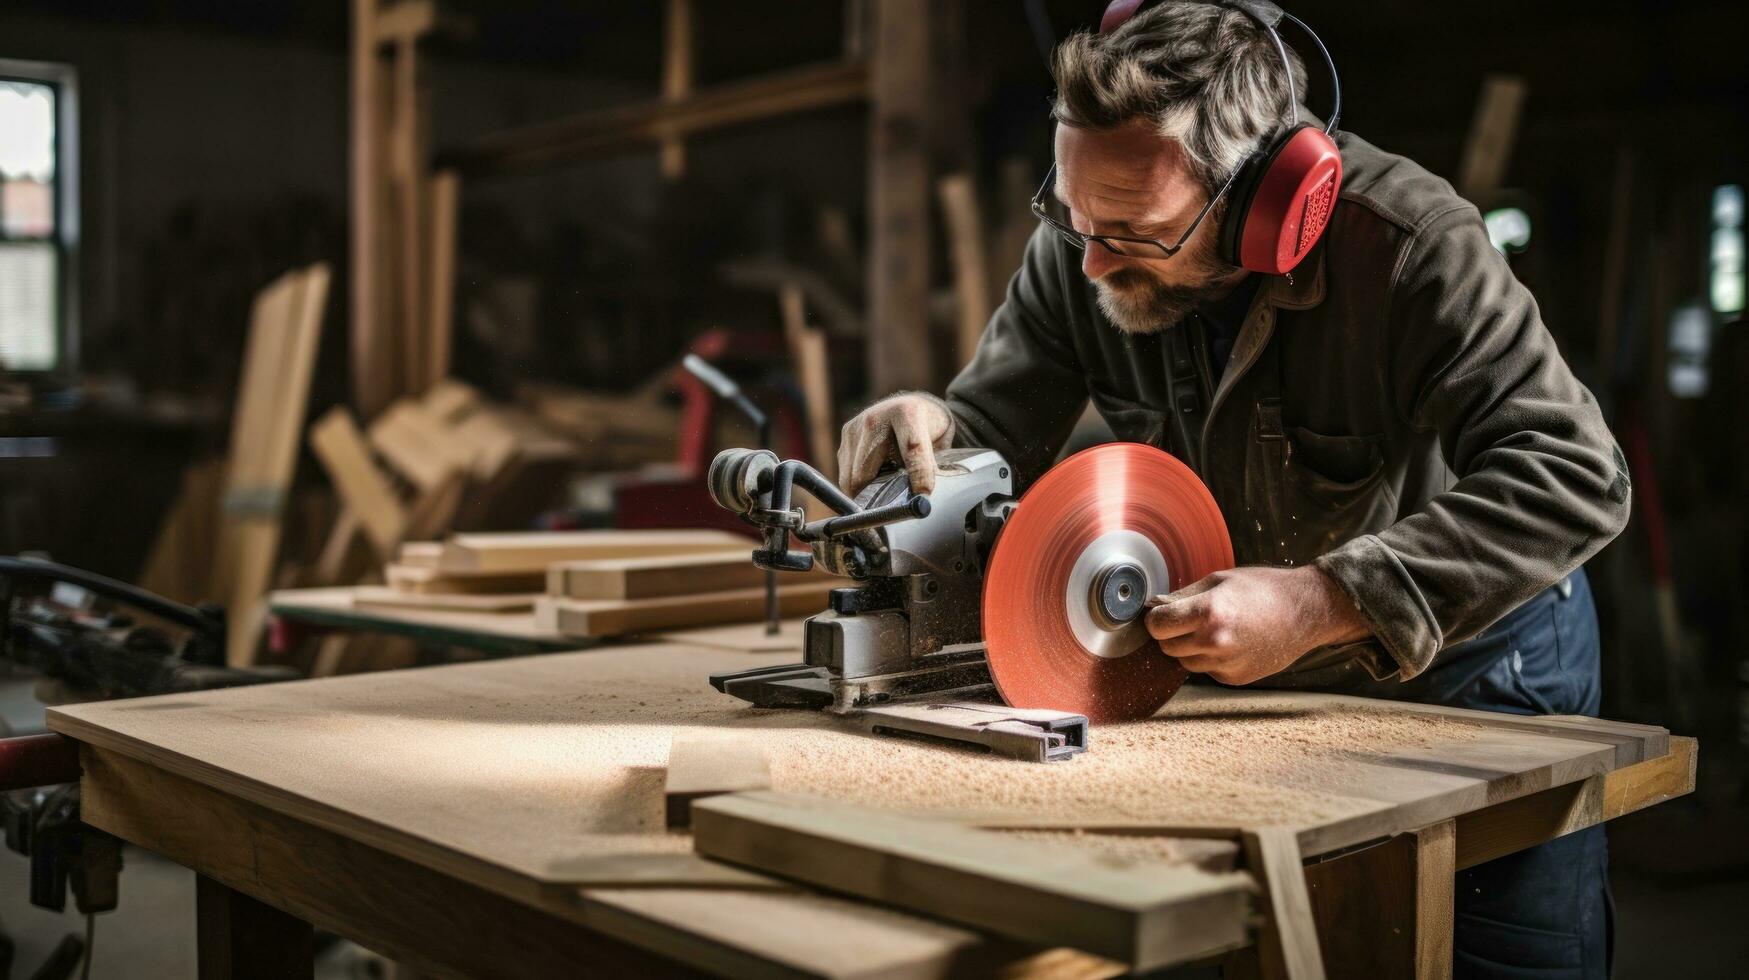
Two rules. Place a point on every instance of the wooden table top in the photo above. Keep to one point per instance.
(539, 777)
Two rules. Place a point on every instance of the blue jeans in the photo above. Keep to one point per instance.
(1545, 911)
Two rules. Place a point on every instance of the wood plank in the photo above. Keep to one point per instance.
(368, 326)
(619, 617)
(443, 208)
(1288, 940)
(273, 396)
(419, 554)
(424, 462)
(971, 270)
(346, 456)
(703, 766)
(405, 20)
(676, 78)
(667, 575)
(1148, 914)
(532, 551)
(609, 130)
(1529, 820)
(372, 595)
(431, 581)
(449, 401)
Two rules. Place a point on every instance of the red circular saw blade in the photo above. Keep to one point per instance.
(1034, 656)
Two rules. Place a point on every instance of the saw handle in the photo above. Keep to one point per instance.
(755, 485)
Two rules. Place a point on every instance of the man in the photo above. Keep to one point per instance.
(1410, 474)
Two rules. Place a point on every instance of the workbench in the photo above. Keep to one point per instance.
(506, 818)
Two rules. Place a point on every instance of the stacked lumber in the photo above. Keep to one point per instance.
(504, 572)
(425, 465)
(643, 593)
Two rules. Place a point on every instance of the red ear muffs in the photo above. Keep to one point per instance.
(1281, 201)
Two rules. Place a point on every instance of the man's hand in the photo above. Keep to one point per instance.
(1245, 624)
(908, 426)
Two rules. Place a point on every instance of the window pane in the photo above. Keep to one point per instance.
(28, 276)
(27, 209)
(27, 131)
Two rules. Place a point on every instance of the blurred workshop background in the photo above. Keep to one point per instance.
(343, 275)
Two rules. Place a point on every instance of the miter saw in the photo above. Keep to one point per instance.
(968, 593)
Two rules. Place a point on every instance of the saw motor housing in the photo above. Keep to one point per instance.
(912, 626)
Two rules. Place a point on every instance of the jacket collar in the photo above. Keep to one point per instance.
(1303, 288)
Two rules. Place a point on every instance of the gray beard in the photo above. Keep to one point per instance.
(1140, 304)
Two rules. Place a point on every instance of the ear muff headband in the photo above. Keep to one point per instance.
(1282, 196)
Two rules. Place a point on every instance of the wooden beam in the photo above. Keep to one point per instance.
(444, 204)
(1435, 900)
(1148, 914)
(533, 551)
(1288, 940)
(971, 273)
(898, 196)
(676, 78)
(1488, 148)
(588, 618)
(623, 127)
(405, 21)
(658, 576)
(342, 449)
(369, 331)
(1514, 825)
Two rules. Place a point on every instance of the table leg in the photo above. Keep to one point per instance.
(1435, 898)
(240, 937)
(1385, 911)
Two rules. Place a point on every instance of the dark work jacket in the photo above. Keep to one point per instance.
(1394, 412)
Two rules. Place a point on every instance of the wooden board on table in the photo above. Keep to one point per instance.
(535, 550)
(1147, 913)
(374, 595)
(433, 581)
(653, 577)
(621, 617)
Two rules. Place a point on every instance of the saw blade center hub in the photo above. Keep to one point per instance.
(1108, 587)
(1119, 590)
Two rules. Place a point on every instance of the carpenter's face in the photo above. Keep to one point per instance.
(1132, 182)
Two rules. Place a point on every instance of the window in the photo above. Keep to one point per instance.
(1726, 258)
(38, 216)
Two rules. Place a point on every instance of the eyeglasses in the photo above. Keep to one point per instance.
(1142, 248)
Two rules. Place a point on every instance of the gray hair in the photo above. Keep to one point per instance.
(1209, 77)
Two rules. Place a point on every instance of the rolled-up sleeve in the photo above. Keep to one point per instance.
(1024, 387)
(1541, 484)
